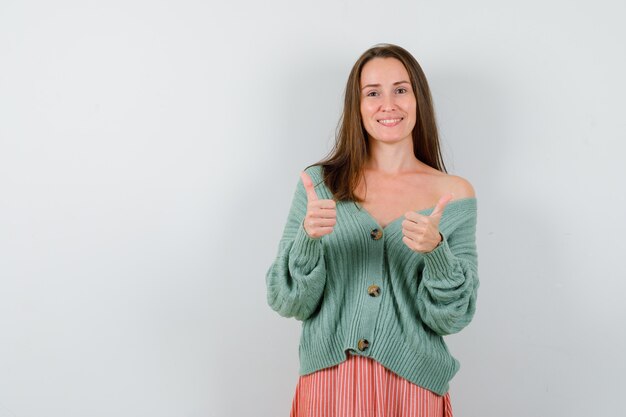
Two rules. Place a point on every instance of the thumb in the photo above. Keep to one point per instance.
(441, 205)
(308, 186)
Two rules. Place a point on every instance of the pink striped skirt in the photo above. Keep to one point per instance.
(362, 387)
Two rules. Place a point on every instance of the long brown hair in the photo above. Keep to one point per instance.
(342, 167)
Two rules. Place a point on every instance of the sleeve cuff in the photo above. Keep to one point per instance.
(441, 258)
(306, 250)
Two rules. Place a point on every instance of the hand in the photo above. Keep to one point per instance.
(321, 215)
(420, 232)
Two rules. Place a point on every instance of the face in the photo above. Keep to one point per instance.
(388, 104)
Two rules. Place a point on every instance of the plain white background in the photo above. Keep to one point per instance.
(149, 151)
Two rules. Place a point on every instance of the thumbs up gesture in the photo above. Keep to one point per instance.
(420, 232)
(321, 215)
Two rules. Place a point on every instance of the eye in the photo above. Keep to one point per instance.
(370, 93)
(402, 90)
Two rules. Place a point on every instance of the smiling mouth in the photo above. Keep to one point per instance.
(390, 122)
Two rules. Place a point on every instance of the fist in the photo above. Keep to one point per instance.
(321, 214)
(420, 232)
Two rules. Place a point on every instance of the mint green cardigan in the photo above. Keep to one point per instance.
(422, 296)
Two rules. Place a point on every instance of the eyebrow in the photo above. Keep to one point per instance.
(378, 85)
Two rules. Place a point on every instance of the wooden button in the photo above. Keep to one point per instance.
(373, 290)
(363, 344)
(376, 234)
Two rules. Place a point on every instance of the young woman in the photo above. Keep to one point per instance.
(378, 256)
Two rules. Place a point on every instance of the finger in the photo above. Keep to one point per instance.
(416, 217)
(321, 222)
(326, 204)
(410, 226)
(408, 242)
(308, 186)
(322, 212)
(441, 205)
(415, 229)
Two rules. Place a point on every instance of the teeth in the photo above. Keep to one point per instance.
(389, 121)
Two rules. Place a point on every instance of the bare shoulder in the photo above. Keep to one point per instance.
(461, 187)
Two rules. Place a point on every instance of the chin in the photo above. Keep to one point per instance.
(394, 138)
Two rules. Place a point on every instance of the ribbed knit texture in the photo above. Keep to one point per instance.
(323, 283)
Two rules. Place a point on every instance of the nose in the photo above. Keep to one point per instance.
(388, 103)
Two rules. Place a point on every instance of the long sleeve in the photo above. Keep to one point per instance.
(295, 280)
(448, 289)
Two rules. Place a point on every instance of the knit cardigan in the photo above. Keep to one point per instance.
(324, 283)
